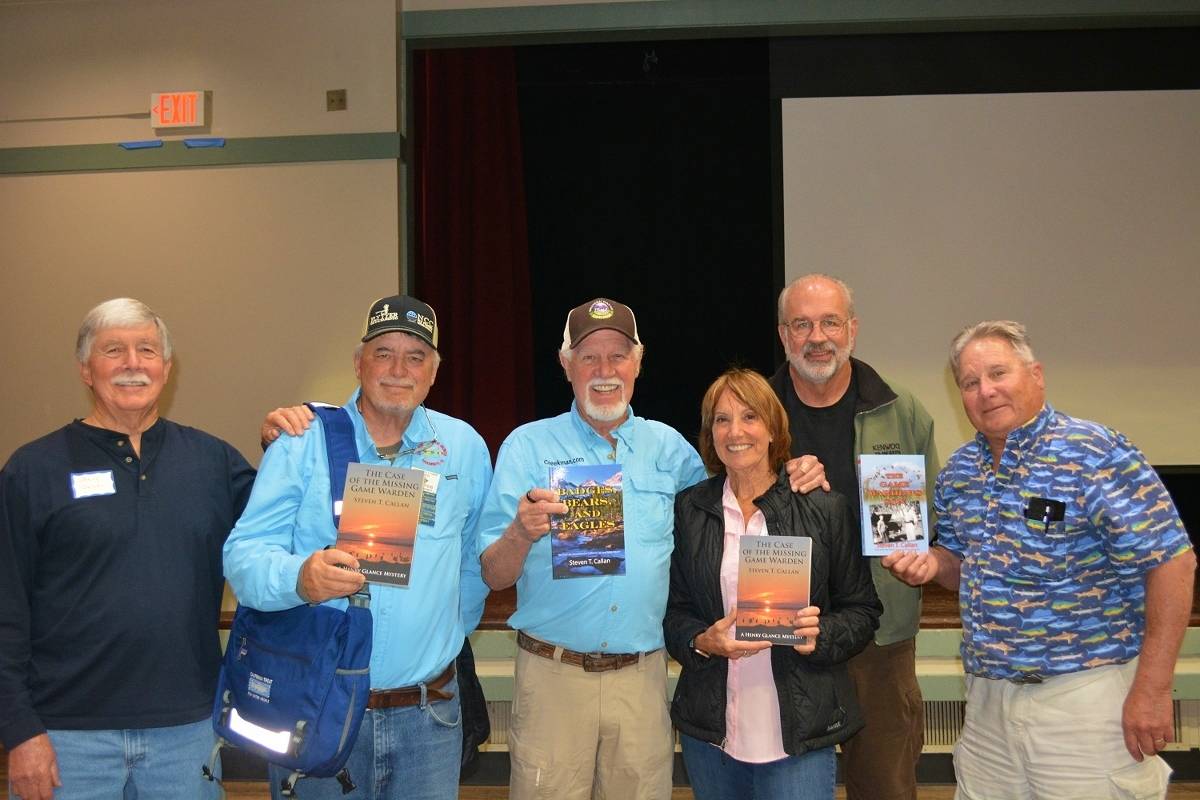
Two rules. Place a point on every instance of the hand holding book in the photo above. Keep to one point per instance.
(534, 511)
(327, 574)
(918, 569)
(718, 640)
(808, 627)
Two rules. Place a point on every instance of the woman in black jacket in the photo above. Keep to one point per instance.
(759, 721)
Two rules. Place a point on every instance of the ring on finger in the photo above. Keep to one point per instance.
(529, 498)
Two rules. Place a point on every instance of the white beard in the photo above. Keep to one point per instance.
(820, 373)
(609, 412)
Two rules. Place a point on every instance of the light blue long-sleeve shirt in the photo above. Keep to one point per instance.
(613, 614)
(418, 629)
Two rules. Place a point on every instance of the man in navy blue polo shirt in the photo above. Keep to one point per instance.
(110, 581)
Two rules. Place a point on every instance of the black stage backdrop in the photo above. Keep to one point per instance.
(648, 180)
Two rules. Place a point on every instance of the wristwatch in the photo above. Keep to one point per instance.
(696, 650)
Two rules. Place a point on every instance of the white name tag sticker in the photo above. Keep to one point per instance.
(92, 484)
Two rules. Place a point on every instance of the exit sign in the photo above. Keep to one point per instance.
(177, 109)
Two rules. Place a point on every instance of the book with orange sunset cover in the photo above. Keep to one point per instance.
(774, 579)
(380, 509)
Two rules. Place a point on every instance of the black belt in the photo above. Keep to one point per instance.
(1026, 679)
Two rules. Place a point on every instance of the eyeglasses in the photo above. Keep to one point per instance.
(803, 328)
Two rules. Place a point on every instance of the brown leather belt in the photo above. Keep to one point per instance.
(589, 662)
(411, 695)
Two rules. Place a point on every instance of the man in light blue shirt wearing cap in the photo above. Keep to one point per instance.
(410, 741)
(590, 702)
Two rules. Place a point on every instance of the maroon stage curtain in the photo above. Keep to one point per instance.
(471, 241)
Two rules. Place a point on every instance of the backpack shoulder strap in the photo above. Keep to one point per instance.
(341, 448)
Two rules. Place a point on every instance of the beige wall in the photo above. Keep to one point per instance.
(1075, 213)
(263, 273)
(267, 63)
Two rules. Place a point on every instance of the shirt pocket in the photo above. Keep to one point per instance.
(649, 506)
(1050, 552)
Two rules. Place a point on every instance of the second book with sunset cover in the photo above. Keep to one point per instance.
(380, 510)
(774, 579)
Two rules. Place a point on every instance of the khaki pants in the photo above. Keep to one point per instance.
(1057, 740)
(577, 735)
(880, 761)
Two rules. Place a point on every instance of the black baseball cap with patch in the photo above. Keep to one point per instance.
(400, 312)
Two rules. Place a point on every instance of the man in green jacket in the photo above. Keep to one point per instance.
(838, 408)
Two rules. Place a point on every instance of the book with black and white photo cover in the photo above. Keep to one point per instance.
(381, 506)
(895, 513)
(774, 584)
(589, 540)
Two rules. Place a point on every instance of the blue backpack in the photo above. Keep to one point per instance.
(294, 684)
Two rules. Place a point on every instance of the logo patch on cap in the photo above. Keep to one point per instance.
(600, 310)
(420, 319)
(383, 315)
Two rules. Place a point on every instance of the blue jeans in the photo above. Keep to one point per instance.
(135, 764)
(412, 753)
(716, 776)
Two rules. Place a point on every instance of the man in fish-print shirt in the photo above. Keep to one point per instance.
(1074, 575)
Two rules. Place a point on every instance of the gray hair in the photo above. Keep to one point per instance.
(846, 291)
(1005, 329)
(121, 312)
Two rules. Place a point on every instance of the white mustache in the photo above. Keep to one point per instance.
(614, 381)
(818, 349)
(397, 384)
(132, 379)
